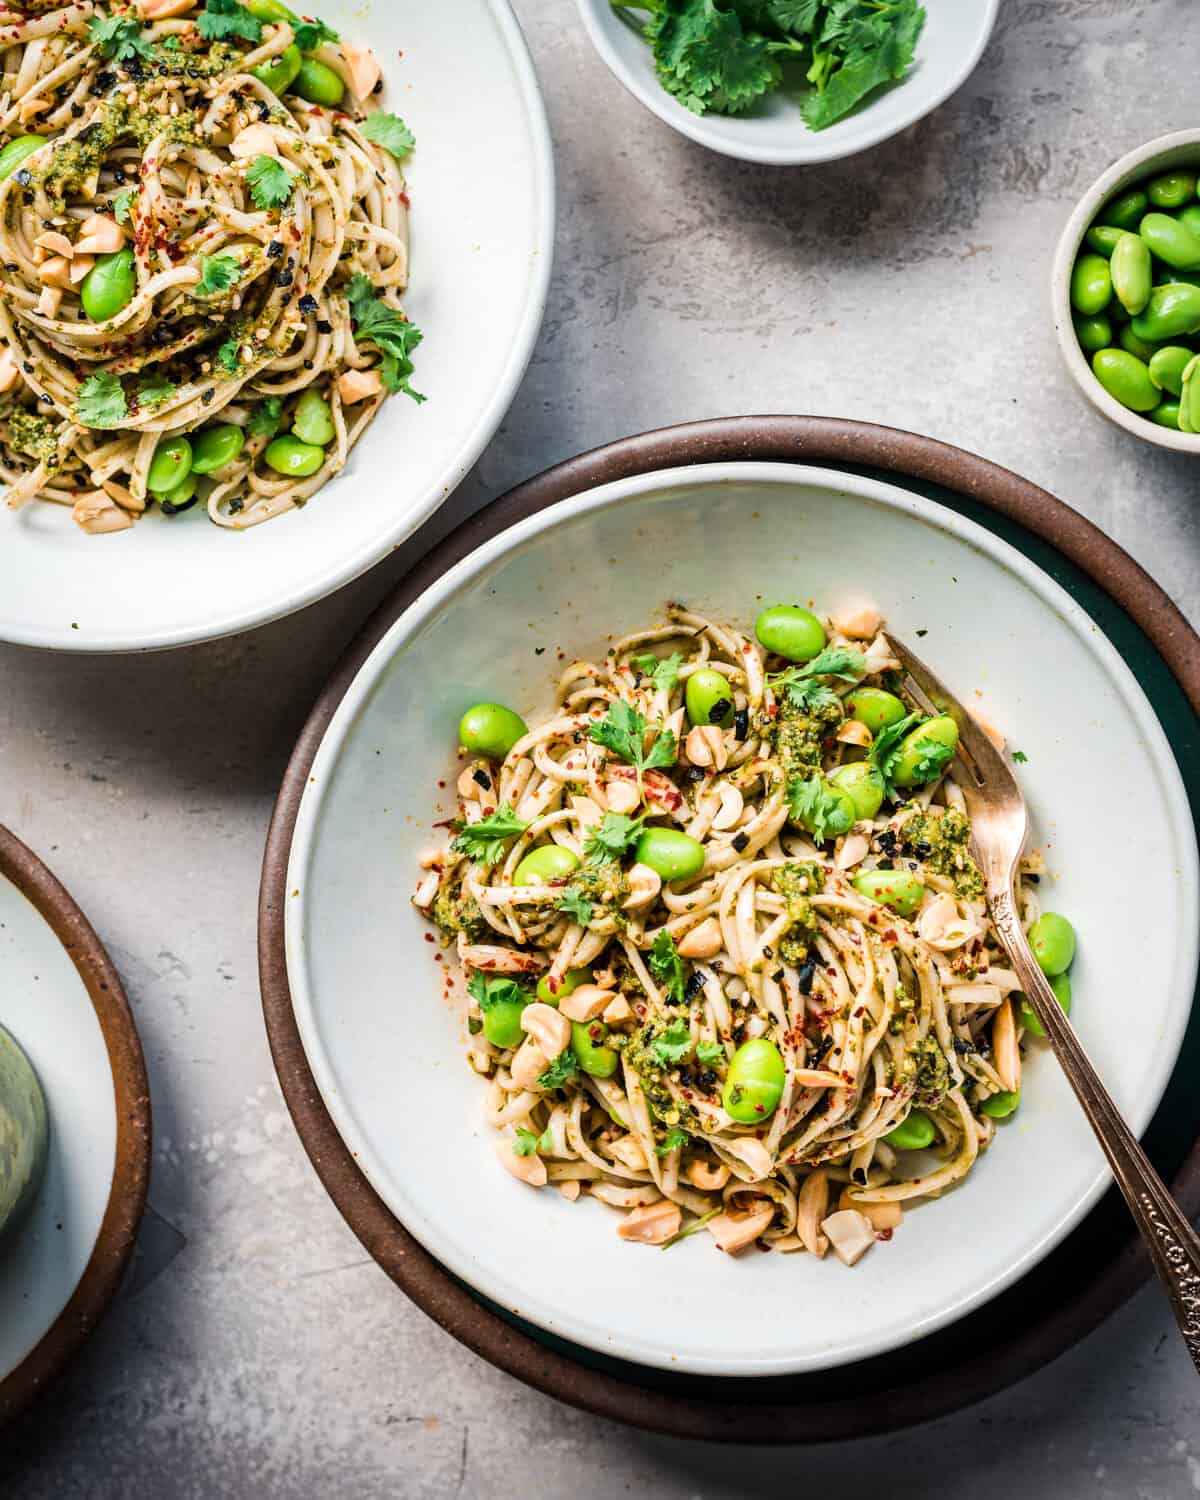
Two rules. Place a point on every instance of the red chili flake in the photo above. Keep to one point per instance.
(429, 938)
(760, 1109)
(891, 936)
(884, 1234)
(437, 958)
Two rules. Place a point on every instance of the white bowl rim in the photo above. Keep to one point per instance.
(1140, 159)
(696, 129)
(524, 1301)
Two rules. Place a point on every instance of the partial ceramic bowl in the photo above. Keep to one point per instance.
(386, 1049)
(481, 181)
(774, 133)
(1163, 154)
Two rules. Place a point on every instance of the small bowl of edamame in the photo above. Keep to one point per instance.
(1125, 292)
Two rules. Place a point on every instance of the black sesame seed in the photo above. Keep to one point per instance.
(24, 176)
(235, 505)
(1034, 879)
(922, 850)
(284, 277)
(740, 841)
(324, 326)
(718, 711)
(264, 110)
(887, 841)
(481, 778)
(378, 89)
(694, 773)
(207, 397)
(741, 724)
(308, 303)
(308, 364)
(693, 987)
(274, 249)
(170, 509)
(778, 976)
(805, 975)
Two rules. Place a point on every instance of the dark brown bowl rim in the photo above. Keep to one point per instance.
(131, 1167)
(795, 439)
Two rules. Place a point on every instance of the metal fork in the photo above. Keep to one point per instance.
(999, 825)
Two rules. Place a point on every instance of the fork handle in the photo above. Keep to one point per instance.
(1173, 1244)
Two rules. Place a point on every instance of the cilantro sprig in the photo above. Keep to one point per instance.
(672, 1141)
(101, 401)
(885, 749)
(667, 967)
(488, 990)
(623, 731)
(118, 38)
(673, 1044)
(154, 389)
(218, 273)
(574, 904)
(663, 671)
(804, 684)
(526, 1143)
(271, 182)
(709, 1053)
(390, 132)
(561, 1070)
(222, 19)
(123, 205)
(613, 836)
(815, 805)
(312, 33)
(485, 841)
(383, 326)
(265, 419)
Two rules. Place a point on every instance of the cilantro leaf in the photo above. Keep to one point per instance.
(122, 205)
(118, 38)
(705, 57)
(667, 967)
(857, 53)
(672, 1141)
(390, 132)
(574, 904)
(271, 182)
(611, 837)
(931, 755)
(885, 749)
(796, 17)
(710, 1052)
(560, 1070)
(499, 989)
(1020, 757)
(229, 356)
(664, 671)
(623, 731)
(814, 805)
(802, 683)
(218, 273)
(264, 420)
(312, 33)
(222, 19)
(484, 841)
(673, 1043)
(101, 402)
(526, 1143)
(154, 389)
(388, 330)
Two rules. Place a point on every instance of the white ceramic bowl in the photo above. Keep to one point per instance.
(386, 1049)
(1165, 152)
(952, 42)
(482, 189)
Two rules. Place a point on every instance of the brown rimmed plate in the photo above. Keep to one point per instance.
(64, 1001)
(1074, 1287)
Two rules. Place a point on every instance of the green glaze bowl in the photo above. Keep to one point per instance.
(24, 1133)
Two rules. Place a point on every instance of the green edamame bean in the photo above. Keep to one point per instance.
(288, 455)
(1166, 414)
(914, 1133)
(1001, 1105)
(1130, 271)
(108, 286)
(874, 707)
(1126, 210)
(587, 1043)
(790, 632)
(1189, 397)
(1167, 366)
(1171, 189)
(1052, 939)
(1061, 985)
(1171, 240)
(318, 84)
(177, 499)
(279, 73)
(502, 1023)
(1126, 378)
(170, 466)
(1168, 276)
(1102, 238)
(838, 816)
(1093, 333)
(862, 784)
(16, 152)
(1190, 218)
(216, 446)
(925, 752)
(1091, 284)
(270, 10)
(895, 888)
(491, 729)
(1130, 342)
(571, 980)
(708, 697)
(312, 421)
(1173, 309)
(669, 853)
(754, 1082)
(542, 865)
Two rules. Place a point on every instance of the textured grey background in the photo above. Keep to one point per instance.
(259, 1352)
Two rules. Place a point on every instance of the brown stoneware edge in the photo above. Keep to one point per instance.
(131, 1167)
(794, 439)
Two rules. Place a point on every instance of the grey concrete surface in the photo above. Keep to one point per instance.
(258, 1351)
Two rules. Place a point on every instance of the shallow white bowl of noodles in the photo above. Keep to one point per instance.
(386, 1046)
(481, 224)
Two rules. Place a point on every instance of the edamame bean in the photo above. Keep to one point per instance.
(1173, 309)
(874, 707)
(1125, 211)
(313, 420)
(270, 10)
(669, 853)
(1190, 218)
(925, 752)
(895, 888)
(1130, 272)
(1166, 414)
(1102, 238)
(318, 84)
(1172, 241)
(288, 455)
(862, 784)
(1126, 378)
(790, 632)
(587, 1043)
(1130, 342)
(279, 73)
(754, 1082)
(1052, 939)
(708, 697)
(1001, 1105)
(914, 1133)
(491, 729)
(108, 286)
(838, 815)
(1167, 366)
(1189, 397)
(1061, 985)
(1093, 333)
(216, 446)
(502, 1023)
(571, 980)
(1091, 284)
(179, 498)
(16, 151)
(1171, 189)
(170, 466)
(542, 865)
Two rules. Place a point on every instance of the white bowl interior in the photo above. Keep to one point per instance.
(952, 42)
(385, 1046)
(481, 186)
(1181, 149)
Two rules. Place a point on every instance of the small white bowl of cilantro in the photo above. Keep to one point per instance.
(790, 82)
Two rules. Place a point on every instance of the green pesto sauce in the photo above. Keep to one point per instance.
(606, 885)
(204, 62)
(941, 842)
(636, 1048)
(33, 435)
(929, 1072)
(456, 910)
(796, 883)
(73, 162)
(796, 736)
